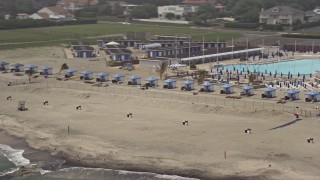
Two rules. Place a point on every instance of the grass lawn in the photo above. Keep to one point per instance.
(63, 34)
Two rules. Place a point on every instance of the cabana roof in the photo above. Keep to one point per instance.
(227, 86)
(170, 81)
(292, 91)
(118, 76)
(247, 87)
(153, 45)
(152, 79)
(269, 89)
(102, 74)
(3, 63)
(16, 65)
(31, 66)
(188, 82)
(207, 83)
(312, 93)
(45, 68)
(70, 70)
(86, 72)
(134, 77)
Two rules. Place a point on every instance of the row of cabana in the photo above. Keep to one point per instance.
(17, 67)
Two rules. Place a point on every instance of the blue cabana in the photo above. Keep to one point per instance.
(292, 94)
(118, 77)
(188, 85)
(170, 83)
(153, 81)
(227, 89)
(45, 70)
(102, 77)
(4, 66)
(313, 96)
(207, 86)
(269, 93)
(87, 75)
(17, 67)
(30, 67)
(134, 80)
(70, 72)
(247, 90)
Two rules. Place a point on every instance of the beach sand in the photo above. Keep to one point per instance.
(155, 140)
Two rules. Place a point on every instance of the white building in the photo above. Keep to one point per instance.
(22, 16)
(178, 11)
(39, 16)
(57, 13)
(281, 15)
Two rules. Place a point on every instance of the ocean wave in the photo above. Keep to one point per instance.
(128, 173)
(9, 171)
(14, 155)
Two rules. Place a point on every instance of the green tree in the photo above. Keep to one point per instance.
(105, 10)
(117, 10)
(202, 74)
(24, 6)
(64, 66)
(170, 15)
(161, 69)
(144, 11)
(204, 13)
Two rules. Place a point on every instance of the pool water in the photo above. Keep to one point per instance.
(303, 66)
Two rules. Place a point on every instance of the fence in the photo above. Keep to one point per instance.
(305, 110)
(19, 81)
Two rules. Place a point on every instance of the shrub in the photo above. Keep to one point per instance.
(241, 25)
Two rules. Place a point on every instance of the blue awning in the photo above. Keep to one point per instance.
(292, 91)
(70, 70)
(118, 76)
(2, 63)
(227, 86)
(207, 83)
(102, 74)
(16, 65)
(45, 68)
(152, 79)
(269, 89)
(86, 72)
(247, 87)
(134, 77)
(188, 82)
(31, 66)
(170, 81)
(312, 93)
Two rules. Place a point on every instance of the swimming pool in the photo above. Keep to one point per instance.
(302, 66)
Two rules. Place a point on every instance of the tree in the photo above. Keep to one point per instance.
(204, 13)
(161, 69)
(105, 9)
(145, 11)
(117, 10)
(63, 67)
(170, 15)
(202, 74)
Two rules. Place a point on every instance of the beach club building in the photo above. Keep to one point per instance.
(83, 51)
(4, 66)
(164, 52)
(102, 77)
(292, 94)
(128, 42)
(313, 96)
(227, 89)
(17, 67)
(247, 90)
(209, 44)
(119, 54)
(45, 70)
(207, 86)
(269, 93)
(153, 81)
(170, 84)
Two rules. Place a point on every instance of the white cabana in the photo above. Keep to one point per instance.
(188, 85)
(207, 86)
(221, 54)
(4, 66)
(170, 84)
(150, 46)
(247, 90)
(292, 94)
(102, 77)
(45, 70)
(153, 81)
(227, 89)
(269, 93)
(112, 43)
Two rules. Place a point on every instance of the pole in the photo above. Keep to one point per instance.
(218, 50)
(189, 50)
(295, 46)
(247, 49)
(68, 130)
(279, 50)
(202, 49)
(262, 47)
(176, 46)
(232, 48)
(312, 47)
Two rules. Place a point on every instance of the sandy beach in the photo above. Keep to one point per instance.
(212, 146)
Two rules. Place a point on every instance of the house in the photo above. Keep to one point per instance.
(281, 15)
(171, 51)
(217, 4)
(39, 16)
(313, 16)
(57, 13)
(179, 11)
(83, 51)
(22, 16)
(73, 5)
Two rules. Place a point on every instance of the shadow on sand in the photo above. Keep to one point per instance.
(287, 124)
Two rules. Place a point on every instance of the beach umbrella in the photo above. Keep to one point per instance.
(310, 75)
(212, 76)
(288, 76)
(270, 73)
(303, 78)
(291, 76)
(219, 77)
(221, 72)
(281, 74)
(298, 74)
(243, 69)
(234, 68)
(238, 77)
(227, 70)
(245, 76)
(265, 71)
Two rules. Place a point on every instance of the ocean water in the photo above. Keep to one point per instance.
(302, 66)
(11, 159)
